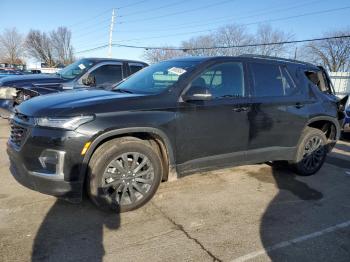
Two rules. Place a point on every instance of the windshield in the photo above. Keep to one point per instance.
(76, 69)
(156, 78)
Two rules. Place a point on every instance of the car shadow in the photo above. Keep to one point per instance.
(73, 232)
(297, 210)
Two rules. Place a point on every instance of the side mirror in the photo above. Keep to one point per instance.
(197, 93)
(90, 80)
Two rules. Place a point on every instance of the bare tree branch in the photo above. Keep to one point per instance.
(157, 55)
(333, 54)
(11, 45)
(61, 45)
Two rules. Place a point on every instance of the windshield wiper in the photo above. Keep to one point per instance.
(123, 91)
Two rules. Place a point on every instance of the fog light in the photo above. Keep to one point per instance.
(52, 161)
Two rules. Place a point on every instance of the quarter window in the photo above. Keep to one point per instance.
(223, 80)
(272, 80)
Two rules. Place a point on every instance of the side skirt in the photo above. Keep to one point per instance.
(253, 156)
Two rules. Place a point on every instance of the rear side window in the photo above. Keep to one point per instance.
(319, 79)
(272, 80)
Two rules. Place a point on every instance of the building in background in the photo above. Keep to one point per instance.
(341, 82)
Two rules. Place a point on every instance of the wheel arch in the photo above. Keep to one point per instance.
(327, 124)
(148, 133)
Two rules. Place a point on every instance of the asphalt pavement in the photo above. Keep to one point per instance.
(247, 213)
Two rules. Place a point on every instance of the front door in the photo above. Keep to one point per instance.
(214, 131)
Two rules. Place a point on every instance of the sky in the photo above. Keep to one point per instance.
(168, 23)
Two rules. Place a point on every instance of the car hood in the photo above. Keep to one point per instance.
(77, 102)
(20, 80)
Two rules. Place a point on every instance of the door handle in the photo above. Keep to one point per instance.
(299, 105)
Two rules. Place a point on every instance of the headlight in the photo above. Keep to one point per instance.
(70, 123)
(7, 92)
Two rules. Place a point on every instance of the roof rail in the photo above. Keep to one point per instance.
(274, 58)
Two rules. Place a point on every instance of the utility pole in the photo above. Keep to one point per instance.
(111, 34)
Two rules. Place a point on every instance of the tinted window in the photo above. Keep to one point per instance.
(107, 74)
(271, 80)
(76, 69)
(135, 68)
(156, 78)
(224, 80)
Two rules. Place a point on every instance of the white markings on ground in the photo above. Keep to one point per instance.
(291, 242)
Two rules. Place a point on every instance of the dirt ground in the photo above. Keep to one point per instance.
(256, 213)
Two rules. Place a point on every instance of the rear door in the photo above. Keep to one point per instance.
(278, 113)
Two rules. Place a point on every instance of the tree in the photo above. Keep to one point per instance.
(233, 35)
(225, 36)
(11, 44)
(39, 46)
(192, 44)
(333, 54)
(157, 55)
(266, 34)
(52, 49)
(61, 45)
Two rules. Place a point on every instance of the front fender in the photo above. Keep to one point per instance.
(128, 131)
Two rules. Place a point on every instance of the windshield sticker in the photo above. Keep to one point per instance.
(177, 71)
(82, 67)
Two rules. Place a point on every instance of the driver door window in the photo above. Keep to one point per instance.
(223, 80)
(107, 74)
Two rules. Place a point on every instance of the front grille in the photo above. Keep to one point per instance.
(21, 117)
(18, 134)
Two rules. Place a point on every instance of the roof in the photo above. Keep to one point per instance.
(99, 59)
(246, 56)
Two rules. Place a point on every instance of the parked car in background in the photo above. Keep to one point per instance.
(6, 72)
(87, 72)
(181, 115)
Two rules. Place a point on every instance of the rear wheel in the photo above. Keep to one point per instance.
(124, 174)
(311, 153)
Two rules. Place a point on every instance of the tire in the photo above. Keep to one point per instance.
(124, 174)
(311, 152)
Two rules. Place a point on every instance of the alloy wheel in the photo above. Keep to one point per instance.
(313, 153)
(128, 178)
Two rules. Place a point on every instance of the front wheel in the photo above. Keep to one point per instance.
(124, 174)
(311, 152)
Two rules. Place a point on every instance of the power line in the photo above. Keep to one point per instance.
(104, 12)
(247, 24)
(132, 4)
(219, 47)
(176, 13)
(226, 19)
(91, 18)
(153, 9)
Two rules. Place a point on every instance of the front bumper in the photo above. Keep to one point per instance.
(71, 190)
(48, 161)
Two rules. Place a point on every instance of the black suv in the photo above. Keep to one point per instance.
(87, 72)
(173, 118)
